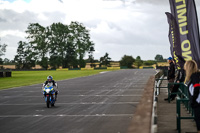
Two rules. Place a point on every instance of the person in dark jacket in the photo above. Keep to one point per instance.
(179, 79)
(192, 80)
(171, 73)
(171, 70)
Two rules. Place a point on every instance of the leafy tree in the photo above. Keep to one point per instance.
(55, 61)
(127, 61)
(58, 44)
(149, 62)
(2, 51)
(159, 58)
(105, 60)
(38, 38)
(25, 57)
(44, 62)
(81, 40)
(71, 57)
(138, 61)
(1, 62)
(6, 61)
(91, 57)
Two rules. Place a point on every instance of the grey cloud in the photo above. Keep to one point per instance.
(12, 41)
(12, 20)
(53, 17)
(2, 20)
(60, 1)
(92, 23)
(152, 31)
(154, 2)
(16, 21)
(114, 26)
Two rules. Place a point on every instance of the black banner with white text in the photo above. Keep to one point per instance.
(174, 39)
(184, 13)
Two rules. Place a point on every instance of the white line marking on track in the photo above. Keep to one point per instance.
(104, 72)
(82, 96)
(31, 104)
(39, 110)
(64, 115)
(102, 90)
(135, 72)
(37, 115)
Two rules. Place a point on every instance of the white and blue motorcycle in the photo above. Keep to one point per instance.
(49, 94)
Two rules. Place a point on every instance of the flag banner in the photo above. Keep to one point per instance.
(174, 39)
(184, 12)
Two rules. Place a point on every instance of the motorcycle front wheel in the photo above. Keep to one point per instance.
(48, 101)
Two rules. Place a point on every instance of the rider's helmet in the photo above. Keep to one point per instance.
(49, 78)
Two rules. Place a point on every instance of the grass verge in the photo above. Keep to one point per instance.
(24, 78)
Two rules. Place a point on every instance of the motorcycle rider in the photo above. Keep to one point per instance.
(51, 81)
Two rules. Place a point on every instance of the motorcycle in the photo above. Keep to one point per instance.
(49, 94)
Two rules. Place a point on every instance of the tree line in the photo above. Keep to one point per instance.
(55, 45)
(61, 45)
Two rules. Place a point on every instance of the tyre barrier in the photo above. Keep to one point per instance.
(5, 73)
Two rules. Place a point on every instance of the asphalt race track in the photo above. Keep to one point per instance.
(103, 103)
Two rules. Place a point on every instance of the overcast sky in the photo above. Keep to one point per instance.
(119, 27)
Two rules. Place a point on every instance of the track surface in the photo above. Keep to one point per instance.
(103, 103)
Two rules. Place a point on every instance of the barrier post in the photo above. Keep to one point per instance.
(178, 113)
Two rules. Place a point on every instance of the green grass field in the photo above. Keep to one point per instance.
(23, 78)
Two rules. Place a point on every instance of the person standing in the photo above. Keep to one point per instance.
(171, 73)
(171, 70)
(192, 81)
(179, 79)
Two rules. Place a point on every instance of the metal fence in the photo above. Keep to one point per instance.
(182, 98)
